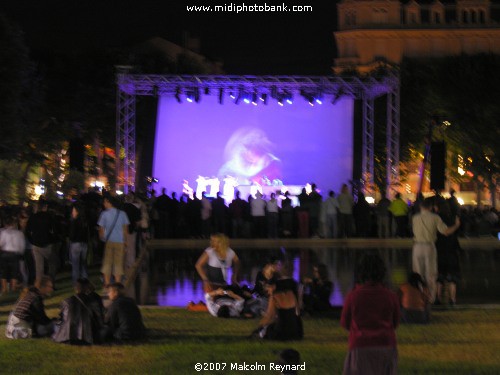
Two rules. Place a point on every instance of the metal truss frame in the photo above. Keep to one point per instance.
(392, 136)
(366, 89)
(368, 144)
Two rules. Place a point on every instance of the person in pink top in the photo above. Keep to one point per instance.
(371, 315)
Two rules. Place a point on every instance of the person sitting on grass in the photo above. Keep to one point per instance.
(28, 319)
(317, 291)
(123, 318)
(415, 300)
(224, 303)
(282, 320)
(215, 262)
(82, 316)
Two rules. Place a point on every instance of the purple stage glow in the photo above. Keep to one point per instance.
(295, 144)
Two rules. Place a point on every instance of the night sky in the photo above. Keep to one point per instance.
(247, 43)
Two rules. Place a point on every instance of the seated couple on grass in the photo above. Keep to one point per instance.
(84, 321)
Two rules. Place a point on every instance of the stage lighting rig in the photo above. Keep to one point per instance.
(254, 98)
(221, 96)
(178, 94)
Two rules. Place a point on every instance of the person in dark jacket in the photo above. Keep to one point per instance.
(78, 239)
(29, 318)
(40, 231)
(82, 316)
(123, 318)
(317, 290)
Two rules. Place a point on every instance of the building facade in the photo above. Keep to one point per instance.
(374, 31)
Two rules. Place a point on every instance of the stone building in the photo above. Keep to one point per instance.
(374, 31)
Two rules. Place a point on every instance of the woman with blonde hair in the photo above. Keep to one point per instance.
(216, 260)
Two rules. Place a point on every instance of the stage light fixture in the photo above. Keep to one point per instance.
(288, 97)
(178, 94)
(338, 95)
(274, 92)
(280, 101)
(254, 98)
(221, 96)
(239, 97)
(231, 95)
(246, 100)
(263, 97)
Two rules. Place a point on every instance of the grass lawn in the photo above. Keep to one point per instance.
(461, 341)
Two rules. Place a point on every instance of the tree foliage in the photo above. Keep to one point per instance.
(464, 91)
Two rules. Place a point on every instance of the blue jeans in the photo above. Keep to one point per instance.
(78, 256)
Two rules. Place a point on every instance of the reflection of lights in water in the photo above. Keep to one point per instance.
(178, 293)
(398, 276)
(337, 298)
(296, 269)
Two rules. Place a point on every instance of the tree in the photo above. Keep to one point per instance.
(464, 91)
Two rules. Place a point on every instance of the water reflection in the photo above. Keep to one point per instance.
(174, 281)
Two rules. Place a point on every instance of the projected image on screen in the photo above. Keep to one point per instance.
(216, 144)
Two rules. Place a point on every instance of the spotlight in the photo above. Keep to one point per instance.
(318, 100)
(231, 95)
(190, 97)
(288, 97)
(280, 101)
(178, 94)
(246, 100)
(263, 97)
(254, 98)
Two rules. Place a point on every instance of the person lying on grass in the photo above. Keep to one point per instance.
(224, 303)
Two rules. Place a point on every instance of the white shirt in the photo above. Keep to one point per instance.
(235, 306)
(258, 207)
(272, 206)
(426, 225)
(12, 240)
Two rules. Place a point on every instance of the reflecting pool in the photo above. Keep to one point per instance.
(172, 280)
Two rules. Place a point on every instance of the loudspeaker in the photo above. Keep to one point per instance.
(438, 164)
(76, 154)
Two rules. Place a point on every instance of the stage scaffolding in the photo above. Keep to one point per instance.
(329, 89)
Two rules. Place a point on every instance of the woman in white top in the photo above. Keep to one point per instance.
(12, 248)
(213, 264)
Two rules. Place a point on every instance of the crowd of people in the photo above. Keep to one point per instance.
(37, 241)
(336, 215)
